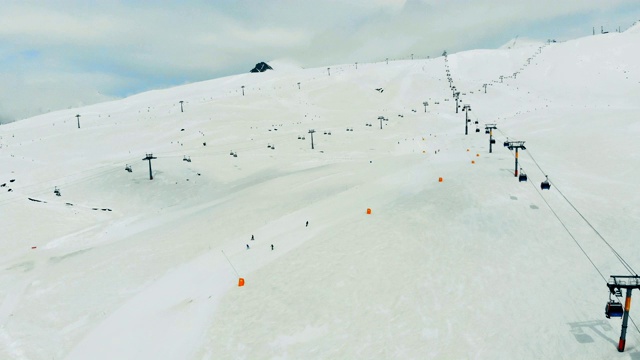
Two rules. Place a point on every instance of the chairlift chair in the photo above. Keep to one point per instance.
(613, 308)
(522, 177)
(477, 129)
(545, 185)
(486, 131)
(493, 141)
(56, 191)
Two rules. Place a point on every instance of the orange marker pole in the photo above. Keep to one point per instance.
(240, 280)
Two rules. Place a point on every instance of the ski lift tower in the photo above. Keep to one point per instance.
(311, 131)
(148, 158)
(466, 109)
(515, 145)
(489, 130)
(616, 284)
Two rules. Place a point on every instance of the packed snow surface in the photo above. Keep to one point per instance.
(478, 265)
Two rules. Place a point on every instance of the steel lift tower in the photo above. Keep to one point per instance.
(515, 145)
(615, 285)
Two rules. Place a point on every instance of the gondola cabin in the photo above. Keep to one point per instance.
(613, 309)
(545, 185)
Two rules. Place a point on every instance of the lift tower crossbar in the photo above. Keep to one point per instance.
(515, 145)
(617, 283)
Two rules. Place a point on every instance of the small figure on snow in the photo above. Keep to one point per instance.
(307, 224)
(271, 247)
(252, 237)
(248, 247)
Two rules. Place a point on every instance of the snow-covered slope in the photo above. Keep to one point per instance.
(476, 266)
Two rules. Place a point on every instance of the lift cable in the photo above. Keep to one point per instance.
(578, 244)
(622, 260)
(624, 263)
(568, 231)
(535, 162)
(616, 254)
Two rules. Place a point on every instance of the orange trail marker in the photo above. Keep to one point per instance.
(368, 211)
(241, 282)
(439, 179)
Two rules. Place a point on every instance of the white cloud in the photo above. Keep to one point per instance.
(31, 94)
(91, 47)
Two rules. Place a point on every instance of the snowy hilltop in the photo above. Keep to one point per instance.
(363, 211)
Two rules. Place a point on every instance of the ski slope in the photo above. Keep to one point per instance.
(478, 266)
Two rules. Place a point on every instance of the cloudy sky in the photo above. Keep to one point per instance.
(57, 54)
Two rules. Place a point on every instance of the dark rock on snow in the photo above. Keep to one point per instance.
(261, 67)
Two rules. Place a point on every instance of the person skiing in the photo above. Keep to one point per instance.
(252, 237)
(307, 224)
(248, 247)
(271, 247)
